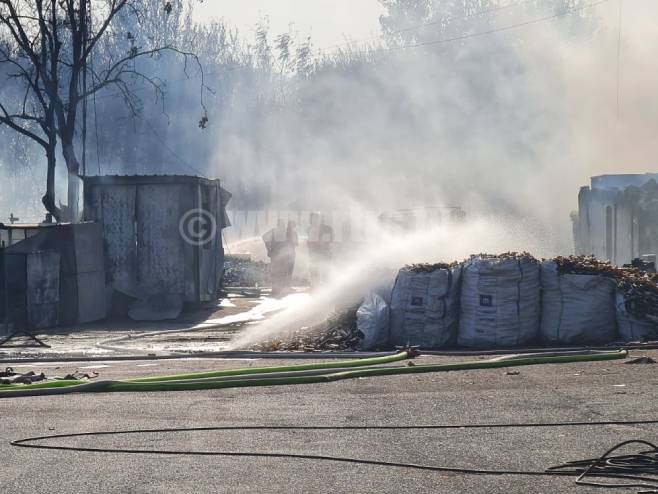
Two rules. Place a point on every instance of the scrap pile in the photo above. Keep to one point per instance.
(585, 265)
(337, 333)
(428, 268)
(8, 376)
(242, 271)
(507, 256)
(640, 289)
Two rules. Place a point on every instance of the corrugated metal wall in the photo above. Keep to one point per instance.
(144, 249)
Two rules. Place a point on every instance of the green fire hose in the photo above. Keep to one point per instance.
(294, 374)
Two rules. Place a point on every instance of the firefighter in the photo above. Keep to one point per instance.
(275, 243)
(290, 253)
(320, 240)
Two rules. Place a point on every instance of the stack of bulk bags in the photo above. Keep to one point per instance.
(425, 305)
(500, 301)
(576, 308)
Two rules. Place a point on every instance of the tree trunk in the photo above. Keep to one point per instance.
(48, 199)
(73, 167)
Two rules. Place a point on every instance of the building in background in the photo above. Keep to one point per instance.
(617, 217)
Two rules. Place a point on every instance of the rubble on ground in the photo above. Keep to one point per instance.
(9, 376)
(242, 271)
(337, 333)
(641, 360)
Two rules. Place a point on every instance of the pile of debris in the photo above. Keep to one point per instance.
(506, 256)
(428, 268)
(9, 376)
(639, 288)
(242, 271)
(337, 333)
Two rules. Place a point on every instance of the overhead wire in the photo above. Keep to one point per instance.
(170, 150)
(499, 29)
(427, 24)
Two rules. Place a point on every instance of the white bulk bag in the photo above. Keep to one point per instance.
(577, 308)
(372, 320)
(425, 307)
(500, 302)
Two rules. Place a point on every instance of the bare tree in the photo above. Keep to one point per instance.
(49, 45)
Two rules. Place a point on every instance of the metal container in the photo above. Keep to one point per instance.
(162, 234)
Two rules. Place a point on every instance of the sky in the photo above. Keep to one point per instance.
(329, 22)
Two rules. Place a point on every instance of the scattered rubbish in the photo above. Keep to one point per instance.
(9, 376)
(337, 332)
(242, 271)
(77, 376)
(27, 378)
(641, 360)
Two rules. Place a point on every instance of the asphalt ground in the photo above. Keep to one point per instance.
(595, 391)
(80, 341)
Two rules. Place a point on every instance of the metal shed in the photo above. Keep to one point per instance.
(162, 234)
(81, 275)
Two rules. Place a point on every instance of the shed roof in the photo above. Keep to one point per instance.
(147, 180)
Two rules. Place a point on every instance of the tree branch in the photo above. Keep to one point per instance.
(7, 119)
